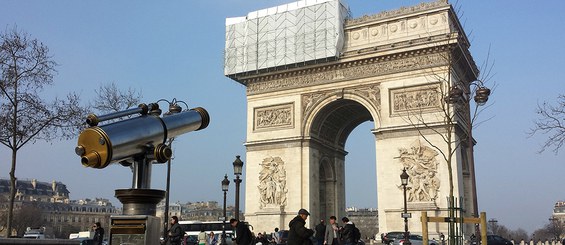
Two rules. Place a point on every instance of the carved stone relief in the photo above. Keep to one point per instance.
(309, 100)
(427, 97)
(421, 164)
(375, 68)
(279, 116)
(371, 92)
(272, 183)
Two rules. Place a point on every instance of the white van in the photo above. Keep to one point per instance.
(34, 234)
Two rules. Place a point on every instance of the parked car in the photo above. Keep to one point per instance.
(190, 240)
(388, 238)
(497, 240)
(414, 240)
(284, 236)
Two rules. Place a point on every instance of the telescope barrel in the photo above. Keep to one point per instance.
(100, 146)
(93, 120)
(181, 123)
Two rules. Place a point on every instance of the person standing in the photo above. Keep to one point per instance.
(331, 234)
(212, 240)
(276, 236)
(98, 233)
(242, 233)
(320, 232)
(202, 237)
(348, 232)
(175, 232)
(299, 234)
(261, 239)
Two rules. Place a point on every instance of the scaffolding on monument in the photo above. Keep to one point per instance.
(290, 34)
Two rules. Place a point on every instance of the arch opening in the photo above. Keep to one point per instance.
(331, 128)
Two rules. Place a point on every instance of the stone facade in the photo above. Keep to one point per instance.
(58, 214)
(395, 70)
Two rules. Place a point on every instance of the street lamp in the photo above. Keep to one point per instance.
(481, 95)
(404, 180)
(225, 186)
(493, 225)
(237, 170)
(173, 109)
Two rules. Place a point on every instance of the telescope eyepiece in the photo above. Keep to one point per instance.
(91, 159)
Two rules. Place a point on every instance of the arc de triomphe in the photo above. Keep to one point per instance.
(393, 69)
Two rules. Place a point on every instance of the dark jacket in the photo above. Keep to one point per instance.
(320, 232)
(98, 236)
(348, 233)
(176, 235)
(243, 234)
(298, 234)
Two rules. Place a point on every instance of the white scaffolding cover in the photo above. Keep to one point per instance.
(287, 34)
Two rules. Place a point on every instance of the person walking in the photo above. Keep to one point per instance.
(242, 233)
(98, 233)
(320, 232)
(298, 233)
(331, 234)
(175, 232)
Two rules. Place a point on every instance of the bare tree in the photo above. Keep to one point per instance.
(109, 98)
(455, 92)
(552, 123)
(29, 215)
(27, 68)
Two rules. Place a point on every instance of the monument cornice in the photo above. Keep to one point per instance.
(345, 71)
(259, 145)
(401, 12)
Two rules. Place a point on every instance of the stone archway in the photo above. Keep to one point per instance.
(332, 120)
(300, 116)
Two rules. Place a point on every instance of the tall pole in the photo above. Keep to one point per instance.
(406, 233)
(404, 178)
(237, 181)
(166, 223)
(225, 186)
(237, 170)
(224, 222)
(481, 95)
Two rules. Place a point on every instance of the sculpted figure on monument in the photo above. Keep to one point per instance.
(272, 182)
(421, 164)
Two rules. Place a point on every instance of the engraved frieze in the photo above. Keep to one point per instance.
(350, 72)
(419, 98)
(279, 116)
(272, 183)
(421, 164)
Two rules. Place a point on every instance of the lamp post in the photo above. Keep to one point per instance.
(225, 186)
(481, 95)
(493, 225)
(237, 170)
(173, 109)
(404, 180)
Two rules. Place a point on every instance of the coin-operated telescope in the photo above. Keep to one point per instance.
(137, 142)
(140, 138)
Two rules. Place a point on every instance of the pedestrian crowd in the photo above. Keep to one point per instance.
(298, 234)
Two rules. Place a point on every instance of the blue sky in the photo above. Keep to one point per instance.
(174, 49)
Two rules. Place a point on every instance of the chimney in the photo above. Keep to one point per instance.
(34, 183)
(53, 185)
